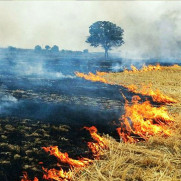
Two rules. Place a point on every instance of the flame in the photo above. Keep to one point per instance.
(64, 157)
(58, 175)
(142, 120)
(92, 77)
(25, 177)
(101, 143)
(157, 96)
(61, 175)
(143, 69)
(175, 66)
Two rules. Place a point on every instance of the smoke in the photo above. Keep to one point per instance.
(7, 101)
(38, 69)
(152, 28)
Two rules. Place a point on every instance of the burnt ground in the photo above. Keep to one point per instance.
(37, 116)
(39, 119)
(41, 108)
(21, 143)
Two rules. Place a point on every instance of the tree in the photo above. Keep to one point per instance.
(55, 48)
(38, 48)
(106, 35)
(47, 47)
(86, 51)
(12, 49)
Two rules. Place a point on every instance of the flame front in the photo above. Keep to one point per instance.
(142, 120)
(92, 77)
(100, 143)
(64, 157)
(143, 69)
(156, 96)
(61, 175)
(25, 177)
(58, 175)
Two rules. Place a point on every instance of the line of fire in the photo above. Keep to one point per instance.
(140, 121)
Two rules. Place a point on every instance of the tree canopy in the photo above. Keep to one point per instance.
(38, 48)
(47, 47)
(55, 48)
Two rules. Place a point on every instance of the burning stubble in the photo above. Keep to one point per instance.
(140, 122)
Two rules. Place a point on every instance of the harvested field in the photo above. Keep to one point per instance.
(156, 159)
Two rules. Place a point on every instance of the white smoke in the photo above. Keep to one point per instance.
(38, 69)
(7, 101)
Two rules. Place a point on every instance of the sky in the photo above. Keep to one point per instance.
(151, 28)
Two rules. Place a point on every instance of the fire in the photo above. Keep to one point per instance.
(157, 96)
(64, 157)
(143, 69)
(175, 66)
(25, 177)
(61, 175)
(101, 143)
(58, 175)
(92, 77)
(142, 120)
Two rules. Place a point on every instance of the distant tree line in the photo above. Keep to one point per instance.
(55, 49)
(103, 34)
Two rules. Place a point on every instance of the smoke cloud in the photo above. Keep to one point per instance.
(152, 28)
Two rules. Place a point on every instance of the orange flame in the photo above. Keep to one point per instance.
(25, 177)
(64, 157)
(141, 120)
(61, 175)
(101, 143)
(58, 175)
(143, 69)
(92, 77)
(157, 96)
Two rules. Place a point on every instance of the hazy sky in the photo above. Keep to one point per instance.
(151, 28)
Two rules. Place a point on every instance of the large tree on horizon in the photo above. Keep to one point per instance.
(106, 35)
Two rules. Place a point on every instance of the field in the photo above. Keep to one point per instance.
(158, 158)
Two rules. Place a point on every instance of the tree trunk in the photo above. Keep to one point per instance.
(106, 54)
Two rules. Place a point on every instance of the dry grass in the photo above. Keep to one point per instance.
(158, 159)
(167, 80)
